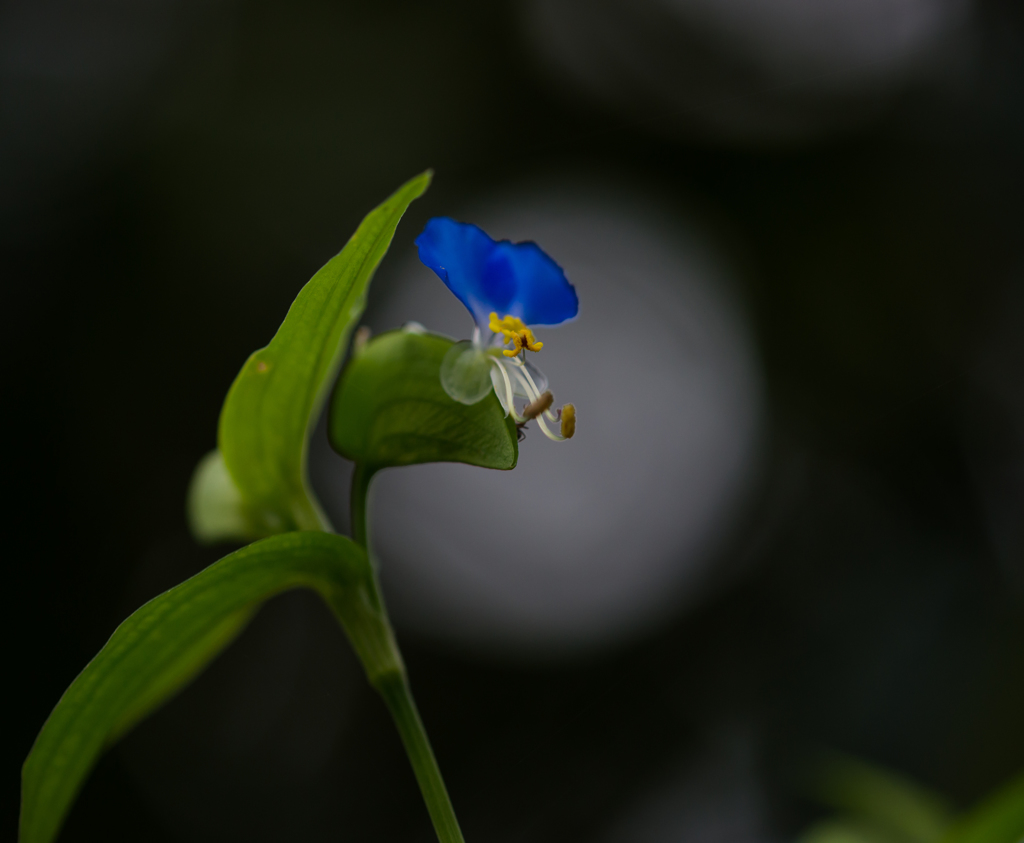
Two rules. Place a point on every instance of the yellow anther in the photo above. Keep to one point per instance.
(530, 341)
(515, 332)
(568, 421)
(507, 326)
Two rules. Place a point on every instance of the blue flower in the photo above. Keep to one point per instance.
(507, 287)
(488, 276)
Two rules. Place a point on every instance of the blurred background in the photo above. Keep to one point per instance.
(792, 520)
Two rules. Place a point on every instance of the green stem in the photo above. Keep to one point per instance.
(360, 490)
(397, 696)
(391, 682)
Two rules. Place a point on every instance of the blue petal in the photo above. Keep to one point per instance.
(543, 294)
(507, 278)
(457, 252)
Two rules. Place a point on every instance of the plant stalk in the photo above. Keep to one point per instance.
(395, 691)
(393, 686)
(357, 505)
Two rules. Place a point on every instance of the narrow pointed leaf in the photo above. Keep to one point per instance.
(390, 409)
(174, 636)
(274, 401)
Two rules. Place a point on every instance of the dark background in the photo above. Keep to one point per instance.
(178, 172)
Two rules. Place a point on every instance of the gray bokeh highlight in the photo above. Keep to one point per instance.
(750, 70)
(711, 796)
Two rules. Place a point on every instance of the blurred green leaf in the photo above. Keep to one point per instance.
(216, 511)
(276, 398)
(171, 638)
(893, 805)
(999, 819)
(389, 409)
(849, 830)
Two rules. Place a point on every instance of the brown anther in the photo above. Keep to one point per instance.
(535, 408)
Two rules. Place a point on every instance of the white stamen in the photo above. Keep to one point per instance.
(509, 397)
(554, 437)
(529, 386)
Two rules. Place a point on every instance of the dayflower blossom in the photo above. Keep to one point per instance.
(507, 287)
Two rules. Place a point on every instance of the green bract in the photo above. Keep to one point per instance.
(390, 409)
(276, 398)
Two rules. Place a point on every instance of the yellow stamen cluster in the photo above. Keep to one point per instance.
(516, 333)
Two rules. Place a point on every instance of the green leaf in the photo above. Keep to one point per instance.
(389, 409)
(276, 398)
(892, 804)
(171, 638)
(999, 819)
